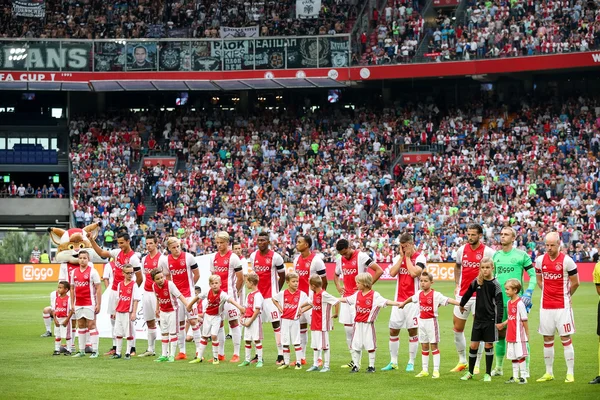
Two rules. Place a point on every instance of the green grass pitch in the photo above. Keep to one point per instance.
(29, 371)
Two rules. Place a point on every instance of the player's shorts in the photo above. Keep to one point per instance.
(123, 325)
(230, 313)
(254, 332)
(405, 318)
(113, 300)
(290, 332)
(429, 330)
(149, 306)
(306, 317)
(168, 323)
(364, 337)
(484, 332)
(319, 340)
(62, 332)
(86, 312)
(183, 314)
(516, 351)
(558, 319)
(347, 314)
(211, 325)
(269, 312)
(469, 308)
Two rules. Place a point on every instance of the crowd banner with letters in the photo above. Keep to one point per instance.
(321, 52)
(29, 8)
(271, 53)
(226, 32)
(46, 56)
(236, 54)
(308, 8)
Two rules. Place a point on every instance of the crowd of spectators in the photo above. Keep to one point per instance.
(531, 165)
(41, 192)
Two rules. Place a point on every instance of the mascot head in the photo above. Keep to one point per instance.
(72, 241)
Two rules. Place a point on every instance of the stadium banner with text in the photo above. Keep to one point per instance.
(64, 55)
(166, 161)
(308, 8)
(445, 3)
(242, 32)
(39, 272)
(416, 158)
(29, 8)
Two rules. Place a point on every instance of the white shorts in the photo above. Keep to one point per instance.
(516, 351)
(113, 300)
(123, 325)
(347, 314)
(86, 312)
(469, 308)
(364, 337)
(290, 332)
(183, 314)
(62, 332)
(405, 318)
(149, 306)
(269, 312)
(319, 340)
(211, 325)
(168, 323)
(254, 332)
(306, 317)
(559, 319)
(429, 330)
(230, 313)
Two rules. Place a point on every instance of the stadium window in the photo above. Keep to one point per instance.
(57, 113)
(12, 141)
(44, 142)
(2, 143)
(53, 144)
(30, 140)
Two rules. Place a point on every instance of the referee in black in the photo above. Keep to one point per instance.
(489, 309)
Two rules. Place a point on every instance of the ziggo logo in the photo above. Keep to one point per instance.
(31, 273)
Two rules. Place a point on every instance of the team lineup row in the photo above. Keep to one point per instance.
(495, 279)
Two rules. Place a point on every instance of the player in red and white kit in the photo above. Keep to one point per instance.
(557, 277)
(121, 256)
(61, 313)
(269, 267)
(181, 268)
(407, 266)
(517, 331)
(308, 263)
(468, 258)
(351, 263)
(125, 311)
(227, 265)
(150, 262)
(85, 302)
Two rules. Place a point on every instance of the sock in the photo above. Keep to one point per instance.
(151, 339)
(201, 347)
(259, 351)
(425, 360)
(549, 356)
(165, 346)
(472, 358)
(81, 339)
(112, 331)
(221, 340)
(315, 357)
(277, 332)
(47, 321)
(394, 345)
(326, 358)
(569, 355)
(413, 347)
(72, 339)
(355, 357)
(286, 355)
(372, 358)
(215, 348)
(94, 339)
(196, 335)
(298, 350)
(130, 344)
(528, 357)
(303, 342)
(87, 338)
(500, 353)
(56, 343)
(349, 329)
(515, 368)
(479, 354)
(248, 348)
(181, 338)
(119, 340)
(461, 346)
(173, 339)
(236, 336)
(436, 359)
(489, 359)
(523, 368)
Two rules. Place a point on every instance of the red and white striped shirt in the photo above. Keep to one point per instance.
(167, 296)
(267, 268)
(517, 313)
(254, 300)
(128, 294)
(429, 303)
(290, 303)
(367, 305)
(556, 286)
(322, 303)
(83, 284)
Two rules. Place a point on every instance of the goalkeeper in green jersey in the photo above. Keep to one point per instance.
(511, 263)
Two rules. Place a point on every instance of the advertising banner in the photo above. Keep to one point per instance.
(169, 162)
(39, 272)
(29, 8)
(415, 158)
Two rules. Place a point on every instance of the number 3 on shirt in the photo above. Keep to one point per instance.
(416, 321)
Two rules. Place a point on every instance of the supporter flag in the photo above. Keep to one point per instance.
(29, 8)
(308, 8)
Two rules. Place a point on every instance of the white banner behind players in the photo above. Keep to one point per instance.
(29, 8)
(245, 32)
(308, 8)
(103, 319)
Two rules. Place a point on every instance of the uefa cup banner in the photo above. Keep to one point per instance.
(29, 8)
(308, 8)
(243, 32)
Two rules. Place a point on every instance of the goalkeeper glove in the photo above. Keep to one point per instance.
(526, 299)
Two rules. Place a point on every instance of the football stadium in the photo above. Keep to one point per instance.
(300, 198)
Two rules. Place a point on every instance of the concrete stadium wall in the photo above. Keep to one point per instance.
(39, 211)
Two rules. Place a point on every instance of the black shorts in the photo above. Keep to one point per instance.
(598, 328)
(484, 332)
